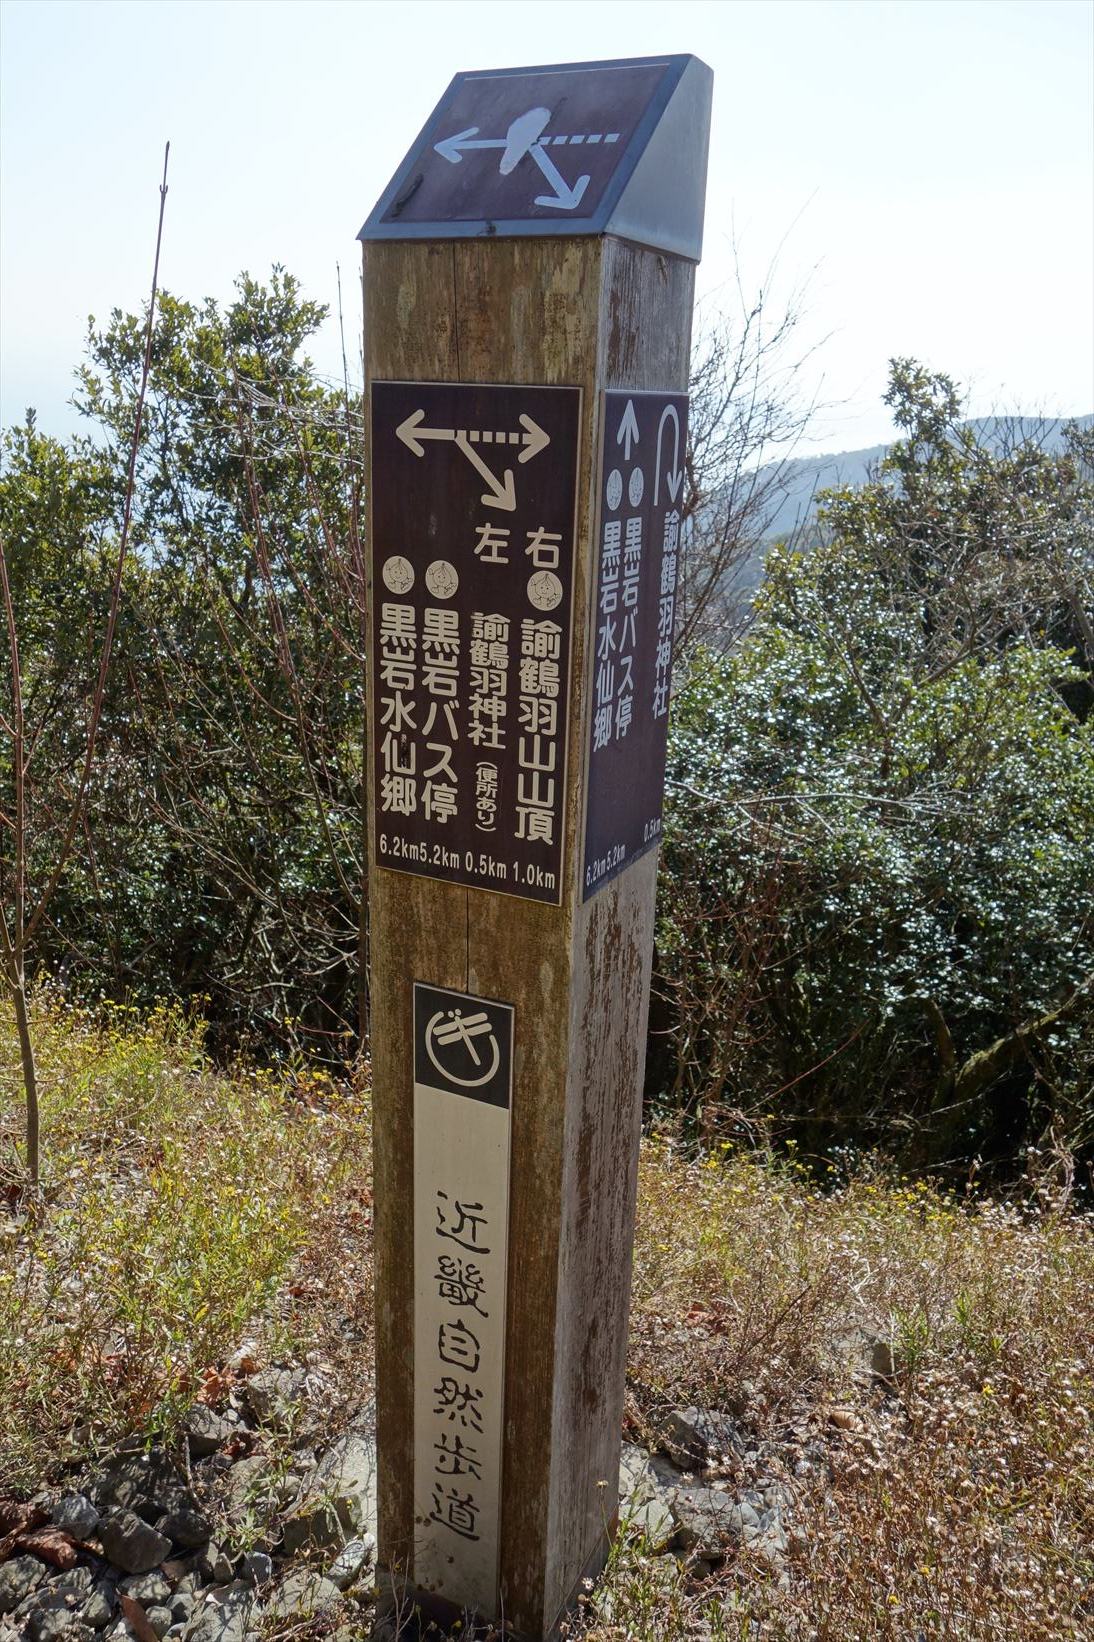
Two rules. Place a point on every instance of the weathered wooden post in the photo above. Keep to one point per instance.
(528, 281)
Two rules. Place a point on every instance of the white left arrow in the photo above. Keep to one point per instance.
(411, 432)
(452, 148)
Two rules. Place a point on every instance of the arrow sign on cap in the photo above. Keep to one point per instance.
(528, 136)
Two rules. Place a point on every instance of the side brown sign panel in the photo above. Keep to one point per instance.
(644, 437)
(473, 508)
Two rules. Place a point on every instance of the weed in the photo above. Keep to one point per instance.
(175, 1205)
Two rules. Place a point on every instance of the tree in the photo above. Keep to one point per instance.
(47, 812)
(246, 662)
(745, 419)
(879, 845)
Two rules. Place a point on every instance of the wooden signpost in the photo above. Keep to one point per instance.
(528, 279)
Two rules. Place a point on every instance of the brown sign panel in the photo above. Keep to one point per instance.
(530, 145)
(644, 437)
(473, 499)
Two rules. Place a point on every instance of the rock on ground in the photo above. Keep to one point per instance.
(131, 1544)
(18, 1577)
(701, 1436)
(303, 1595)
(225, 1618)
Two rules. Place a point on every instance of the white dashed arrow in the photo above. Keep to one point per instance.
(502, 492)
(528, 135)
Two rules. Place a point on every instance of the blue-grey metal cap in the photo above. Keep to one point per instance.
(574, 148)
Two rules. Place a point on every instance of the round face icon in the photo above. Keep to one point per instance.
(545, 590)
(613, 490)
(635, 487)
(442, 579)
(398, 574)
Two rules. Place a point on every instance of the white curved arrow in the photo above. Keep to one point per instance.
(675, 477)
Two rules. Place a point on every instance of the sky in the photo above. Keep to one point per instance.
(917, 175)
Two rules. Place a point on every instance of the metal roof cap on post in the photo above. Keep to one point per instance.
(615, 148)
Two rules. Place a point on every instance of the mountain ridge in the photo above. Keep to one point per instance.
(806, 475)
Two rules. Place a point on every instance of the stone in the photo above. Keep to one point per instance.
(146, 1589)
(206, 1430)
(53, 1624)
(338, 1498)
(315, 1527)
(653, 1520)
(272, 1395)
(707, 1520)
(76, 1515)
(180, 1607)
(700, 1436)
(257, 1567)
(131, 1544)
(132, 1479)
(159, 1619)
(346, 1476)
(186, 1528)
(250, 1488)
(224, 1619)
(18, 1577)
(351, 1562)
(212, 1566)
(98, 1610)
(303, 1595)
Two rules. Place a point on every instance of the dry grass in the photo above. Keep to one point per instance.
(182, 1211)
(949, 1496)
(916, 1373)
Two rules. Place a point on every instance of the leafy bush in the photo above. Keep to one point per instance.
(223, 853)
(876, 916)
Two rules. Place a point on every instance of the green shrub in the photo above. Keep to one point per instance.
(876, 913)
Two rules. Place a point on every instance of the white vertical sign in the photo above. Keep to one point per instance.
(463, 1054)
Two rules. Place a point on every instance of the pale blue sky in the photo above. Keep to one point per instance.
(931, 162)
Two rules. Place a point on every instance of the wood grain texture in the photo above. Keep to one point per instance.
(417, 928)
(527, 312)
(645, 308)
(595, 314)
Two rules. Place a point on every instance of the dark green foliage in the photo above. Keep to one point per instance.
(223, 851)
(880, 847)
(876, 907)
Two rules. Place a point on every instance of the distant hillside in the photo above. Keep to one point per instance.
(807, 475)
